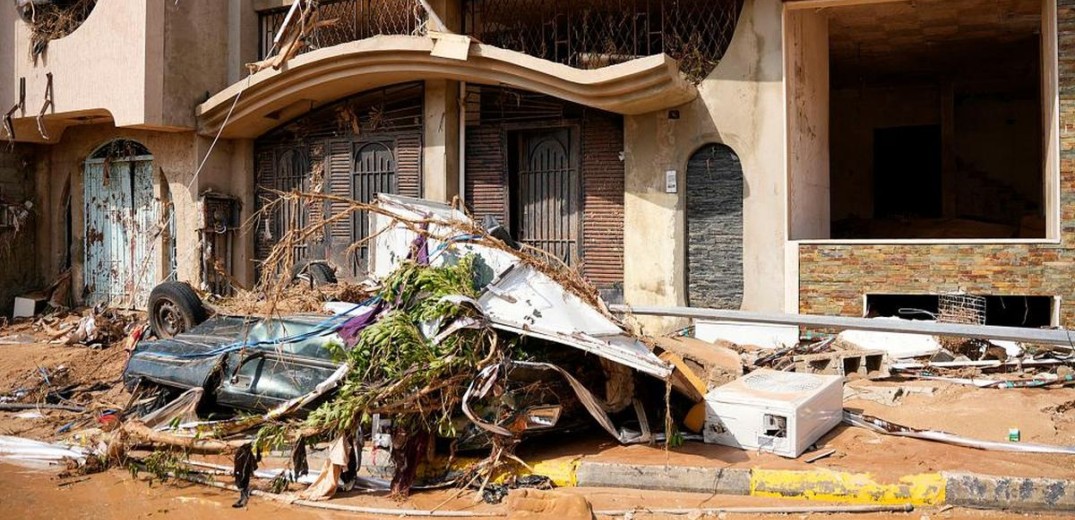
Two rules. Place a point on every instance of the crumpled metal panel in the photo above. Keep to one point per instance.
(122, 221)
(517, 298)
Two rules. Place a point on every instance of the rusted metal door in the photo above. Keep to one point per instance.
(122, 223)
(547, 195)
(374, 172)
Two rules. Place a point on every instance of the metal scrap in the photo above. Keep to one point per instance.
(882, 426)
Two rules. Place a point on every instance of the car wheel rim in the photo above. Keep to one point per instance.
(170, 318)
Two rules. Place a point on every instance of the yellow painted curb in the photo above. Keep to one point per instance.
(563, 472)
(859, 488)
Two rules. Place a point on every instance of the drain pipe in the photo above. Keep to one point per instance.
(462, 142)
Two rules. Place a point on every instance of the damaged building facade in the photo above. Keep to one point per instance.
(820, 156)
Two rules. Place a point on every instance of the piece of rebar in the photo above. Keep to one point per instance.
(29, 406)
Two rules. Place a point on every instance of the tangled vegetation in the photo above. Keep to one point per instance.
(53, 20)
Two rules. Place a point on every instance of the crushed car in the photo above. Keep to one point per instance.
(576, 359)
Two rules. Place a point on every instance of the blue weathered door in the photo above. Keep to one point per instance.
(122, 223)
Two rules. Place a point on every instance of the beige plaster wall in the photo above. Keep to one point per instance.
(60, 168)
(195, 56)
(740, 104)
(229, 169)
(103, 67)
(8, 81)
(142, 64)
(807, 71)
(242, 38)
(440, 140)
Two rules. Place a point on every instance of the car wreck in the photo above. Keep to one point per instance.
(465, 339)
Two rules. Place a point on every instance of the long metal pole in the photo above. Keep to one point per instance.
(989, 332)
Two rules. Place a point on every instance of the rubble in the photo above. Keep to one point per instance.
(457, 321)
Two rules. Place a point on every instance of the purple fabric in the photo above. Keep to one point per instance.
(350, 330)
(421, 244)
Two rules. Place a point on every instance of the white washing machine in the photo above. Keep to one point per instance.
(778, 412)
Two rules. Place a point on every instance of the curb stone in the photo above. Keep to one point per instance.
(819, 485)
(989, 492)
(724, 481)
(926, 489)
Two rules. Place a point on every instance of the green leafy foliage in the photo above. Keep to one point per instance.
(397, 369)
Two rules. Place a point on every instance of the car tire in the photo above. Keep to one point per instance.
(317, 272)
(174, 308)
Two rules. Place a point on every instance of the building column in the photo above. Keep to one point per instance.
(440, 141)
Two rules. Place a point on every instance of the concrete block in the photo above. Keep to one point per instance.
(724, 481)
(844, 363)
(28, 306)
(988, 492)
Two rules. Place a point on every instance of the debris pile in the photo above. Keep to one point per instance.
(461, 342)
(96, 327)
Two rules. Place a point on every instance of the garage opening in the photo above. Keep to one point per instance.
(1008, 311)
(936, 126)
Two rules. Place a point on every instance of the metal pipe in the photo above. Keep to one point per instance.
(462, 155)
(990, 332)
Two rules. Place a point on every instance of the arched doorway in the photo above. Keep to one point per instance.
(374, 172)
(715, 228)
(122, 263)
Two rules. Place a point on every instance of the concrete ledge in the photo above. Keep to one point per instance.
(725, 481)
(988, 492)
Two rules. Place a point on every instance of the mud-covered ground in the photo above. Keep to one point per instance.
(1045, 416)
(34, 494)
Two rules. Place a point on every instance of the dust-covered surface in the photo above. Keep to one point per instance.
(33, 495)
(1042, 416)
(76, 375)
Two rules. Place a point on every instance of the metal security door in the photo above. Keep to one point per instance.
(374, 172)
(122, 221)
(547, 213)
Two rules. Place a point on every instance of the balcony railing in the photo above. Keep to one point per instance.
(354, 20)
(590, 34)
(585, 34)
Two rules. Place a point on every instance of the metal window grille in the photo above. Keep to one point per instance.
(355, 20)
(595, 33)
(374, 172)
(292, 174)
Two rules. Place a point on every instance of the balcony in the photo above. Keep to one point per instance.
(113, 67)
(583, 34)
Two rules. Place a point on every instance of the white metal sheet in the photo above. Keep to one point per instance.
(518, 297)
